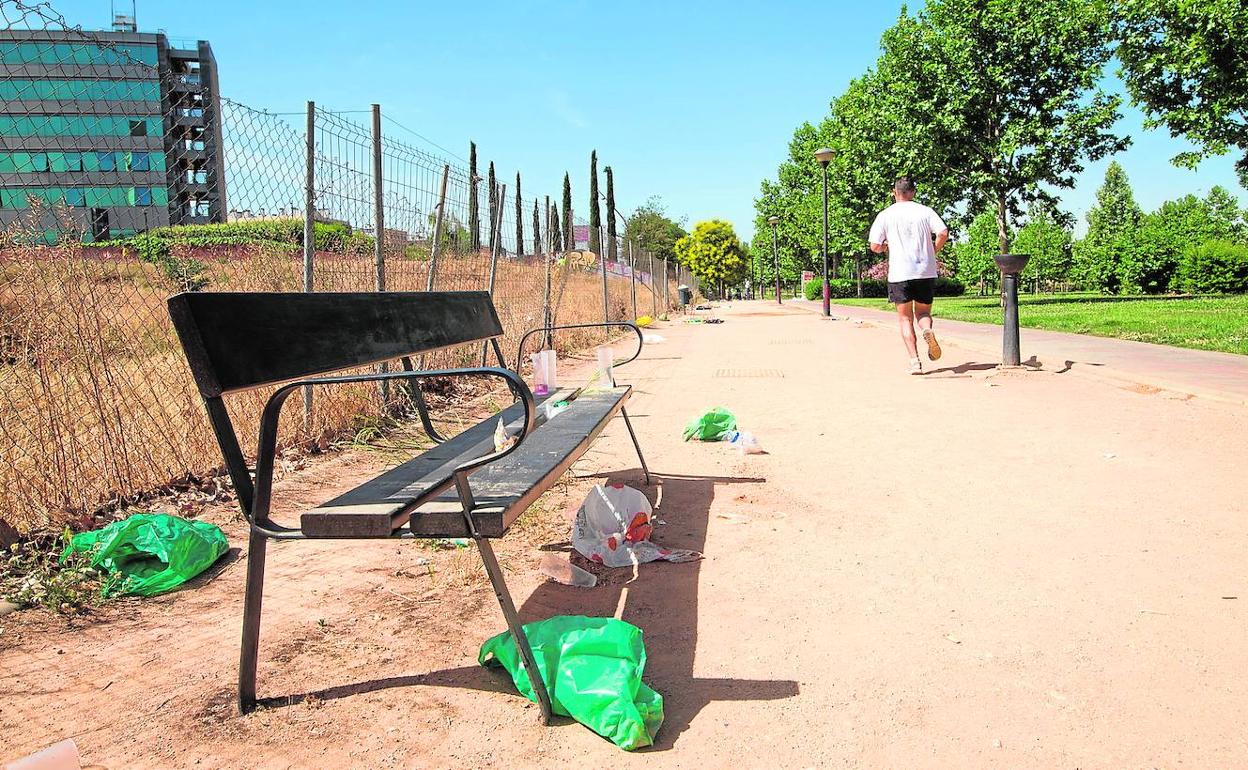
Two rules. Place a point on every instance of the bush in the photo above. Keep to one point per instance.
(949, 287)
(1214, 267)
(842, 288)
(287, 231)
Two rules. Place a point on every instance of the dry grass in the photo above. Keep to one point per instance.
(96, 402)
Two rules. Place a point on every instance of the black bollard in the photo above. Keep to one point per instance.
(1010, 355)
(1011, 265)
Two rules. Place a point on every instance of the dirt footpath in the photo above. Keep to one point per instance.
(966, 569)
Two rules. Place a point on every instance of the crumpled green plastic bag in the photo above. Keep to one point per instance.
(151, 552)
(711, 426)
(597, 665)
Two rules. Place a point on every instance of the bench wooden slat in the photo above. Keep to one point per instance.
(239, 340)
(503, 489)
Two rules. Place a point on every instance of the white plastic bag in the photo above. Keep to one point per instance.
(744, 441)
(613, 528)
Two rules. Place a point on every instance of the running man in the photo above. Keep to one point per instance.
(906, 230)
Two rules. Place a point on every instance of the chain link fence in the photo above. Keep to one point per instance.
(125, 178)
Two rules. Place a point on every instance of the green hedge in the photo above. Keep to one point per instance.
(843, 288)
(288, 231)
(1214, 267)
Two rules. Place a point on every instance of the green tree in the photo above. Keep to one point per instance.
(1112, 237)
(612, 253)
(537, 230)
(974, 254)
(557, 244)
(569, 236)
(714, 254)
(1008, 92)
(474, 216)
(652, 230)
(1176, 226)
(493, 187)
(1049, 241)
(595, 216)
(519, 219)
(1185, 63)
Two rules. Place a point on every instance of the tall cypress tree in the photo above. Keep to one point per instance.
(612, 254)
(519, 219)
(595, 215)
(569, 237)
(493, 183)
(556, 242)
(537, 229)
(474, 217)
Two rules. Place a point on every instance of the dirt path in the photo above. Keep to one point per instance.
(967, 569)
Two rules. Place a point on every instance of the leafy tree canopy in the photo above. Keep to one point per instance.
(651, 229)
(1185, 63)
(714, 253)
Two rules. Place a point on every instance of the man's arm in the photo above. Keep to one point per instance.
(942, 238)
(878, 237)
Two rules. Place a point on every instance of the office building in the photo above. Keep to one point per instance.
(116, 132)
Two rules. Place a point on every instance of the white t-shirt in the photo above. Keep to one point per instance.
(908, 228)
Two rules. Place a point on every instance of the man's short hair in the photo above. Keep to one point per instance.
(904, 186)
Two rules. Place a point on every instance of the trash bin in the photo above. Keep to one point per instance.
(685, 293)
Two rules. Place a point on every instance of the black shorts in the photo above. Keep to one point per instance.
(921, 290)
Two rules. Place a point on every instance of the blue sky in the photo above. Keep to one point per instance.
(692, 101)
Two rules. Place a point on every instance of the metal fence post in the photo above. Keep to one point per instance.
(632, 277)
(379, 227)
(606, 299)
(547, 258)
(654, 295)
(436, 246)
(667, 286)
(309, 235)
(495, 246)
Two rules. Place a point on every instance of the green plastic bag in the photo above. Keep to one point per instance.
(711, 426)
(151, 552)
(592, 669)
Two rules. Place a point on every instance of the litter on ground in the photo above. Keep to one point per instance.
(150, 553)
(613, 528)
(711, 425)
(592, 669)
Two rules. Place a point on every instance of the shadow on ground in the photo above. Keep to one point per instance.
(662, 600)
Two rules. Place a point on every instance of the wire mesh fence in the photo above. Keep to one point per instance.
(125, 177)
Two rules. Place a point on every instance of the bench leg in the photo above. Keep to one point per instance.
(513, 625)
(256, 549)
(504, 601)
(633, 435)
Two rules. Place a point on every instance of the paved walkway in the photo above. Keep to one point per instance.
(971, 569)
(1208, 374)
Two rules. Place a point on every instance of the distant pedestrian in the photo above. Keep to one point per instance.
(913, 235)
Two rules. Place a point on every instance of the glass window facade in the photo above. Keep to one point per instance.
(76, 125)
(31, 162)
(90, 197)
(82, 54)
(81, 90)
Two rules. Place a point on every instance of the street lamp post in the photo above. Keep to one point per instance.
(824, 155)
(775, 251)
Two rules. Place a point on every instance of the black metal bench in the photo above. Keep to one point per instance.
(461, 487)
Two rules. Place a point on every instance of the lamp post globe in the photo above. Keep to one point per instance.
(824, 155)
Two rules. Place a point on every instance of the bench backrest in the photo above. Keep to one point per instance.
(235, 340)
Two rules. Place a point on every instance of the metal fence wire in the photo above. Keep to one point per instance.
(126, 177)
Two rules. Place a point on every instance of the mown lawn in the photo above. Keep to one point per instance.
(1204, 323)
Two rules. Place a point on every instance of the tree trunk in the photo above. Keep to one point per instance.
(1003, 224)
(1003, 234)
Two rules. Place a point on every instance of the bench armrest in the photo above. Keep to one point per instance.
(608, 324)
(266, 447)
